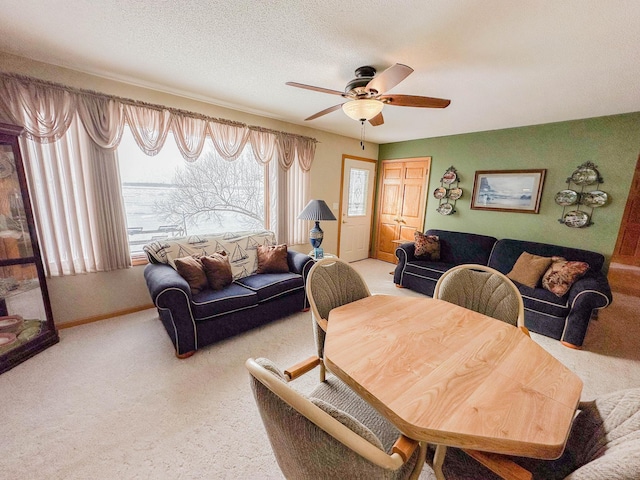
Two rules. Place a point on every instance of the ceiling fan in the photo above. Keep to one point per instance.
(367, 96)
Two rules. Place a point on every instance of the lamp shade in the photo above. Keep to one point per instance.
(316, 210)
(363, 109)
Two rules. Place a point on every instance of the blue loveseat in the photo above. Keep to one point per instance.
(564, 318)
(196, 320)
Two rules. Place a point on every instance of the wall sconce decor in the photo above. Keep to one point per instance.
(586, 175)
(448, 192)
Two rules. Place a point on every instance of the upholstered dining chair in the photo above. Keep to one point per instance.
(330, 434)
(604, 442)
(331, 283)
(484, 290)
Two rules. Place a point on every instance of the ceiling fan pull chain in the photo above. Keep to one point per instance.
(362, 135)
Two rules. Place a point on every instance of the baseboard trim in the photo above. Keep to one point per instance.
(97, 318)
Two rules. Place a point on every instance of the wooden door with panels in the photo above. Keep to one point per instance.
(627, 249)
(402, 194)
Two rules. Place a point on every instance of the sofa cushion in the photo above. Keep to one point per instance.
(562, 274)
(191, 269)
(427, 246)
(457, 248)
(529, 269)
(272, 259)
(217, 269)
(543, 301)
(212, 303)
(270, 285)
(506, 252)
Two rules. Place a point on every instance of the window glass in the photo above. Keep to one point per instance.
(166, 196)
(358, 181)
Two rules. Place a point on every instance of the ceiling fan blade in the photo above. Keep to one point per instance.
(315, 89)
(377, 120)
(388, 79)
(324, 112)
(414, 101)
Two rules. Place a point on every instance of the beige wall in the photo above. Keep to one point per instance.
(83, 296)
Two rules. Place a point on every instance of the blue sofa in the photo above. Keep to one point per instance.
(564, 318)
(194, 321)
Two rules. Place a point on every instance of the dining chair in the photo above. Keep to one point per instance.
(484, 290)
(604, 442)
(331, 433)
(331, 283)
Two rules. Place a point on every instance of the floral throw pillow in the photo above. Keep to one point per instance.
(562, 274)
(427, 246)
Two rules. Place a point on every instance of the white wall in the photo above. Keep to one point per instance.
(83, 296)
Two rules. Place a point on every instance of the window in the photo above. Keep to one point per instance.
(358, 181)
(166, 196)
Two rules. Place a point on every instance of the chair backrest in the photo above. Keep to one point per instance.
(484, 290)
(311, 439)
(333, 282)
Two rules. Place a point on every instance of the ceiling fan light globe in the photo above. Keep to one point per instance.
(363, 109)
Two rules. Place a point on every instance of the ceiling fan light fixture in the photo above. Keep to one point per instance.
(363, 109)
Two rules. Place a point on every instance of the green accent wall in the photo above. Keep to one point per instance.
(612, 143)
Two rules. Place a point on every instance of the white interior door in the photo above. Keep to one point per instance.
(358, 181)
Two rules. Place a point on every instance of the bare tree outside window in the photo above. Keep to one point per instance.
(166, 197)
(212, 190)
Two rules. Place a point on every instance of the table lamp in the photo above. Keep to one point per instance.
(316, 210)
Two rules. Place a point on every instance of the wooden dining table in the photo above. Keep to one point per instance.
(449, 376)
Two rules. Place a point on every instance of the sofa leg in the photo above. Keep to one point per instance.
(185, 355)
(306, 309)
(570, 345)
(399, 286)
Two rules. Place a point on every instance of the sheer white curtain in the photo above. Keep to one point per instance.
(70, 143)
(79, 222)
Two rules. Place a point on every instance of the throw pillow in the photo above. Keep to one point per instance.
(562, 274)
(217, 270)
(191, 269)
(427, 246)
(529, 268)
(272, 259)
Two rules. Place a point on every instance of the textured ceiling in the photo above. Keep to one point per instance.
(502, 63)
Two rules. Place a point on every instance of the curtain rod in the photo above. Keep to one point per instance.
(129, 101)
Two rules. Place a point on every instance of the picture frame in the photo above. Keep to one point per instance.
(508, 190)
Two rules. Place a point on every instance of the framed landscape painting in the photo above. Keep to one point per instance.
(508, 190)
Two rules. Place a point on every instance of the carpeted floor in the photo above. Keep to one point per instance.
(111, 401)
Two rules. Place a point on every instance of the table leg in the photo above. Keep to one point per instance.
(438, 460)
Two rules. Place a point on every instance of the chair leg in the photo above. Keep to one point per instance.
(323, 371)
(422, 455)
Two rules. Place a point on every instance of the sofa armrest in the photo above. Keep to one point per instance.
(299, 263)
(161, 277)
(408, 252)
(172, 297)
(588, 293)
(404, 253)
(592, 291)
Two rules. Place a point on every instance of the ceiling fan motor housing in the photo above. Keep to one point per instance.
(363, 76)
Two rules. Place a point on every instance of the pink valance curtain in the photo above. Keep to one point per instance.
(46, 111)
(82, 219)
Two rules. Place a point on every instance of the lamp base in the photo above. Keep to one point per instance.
(316, 235)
